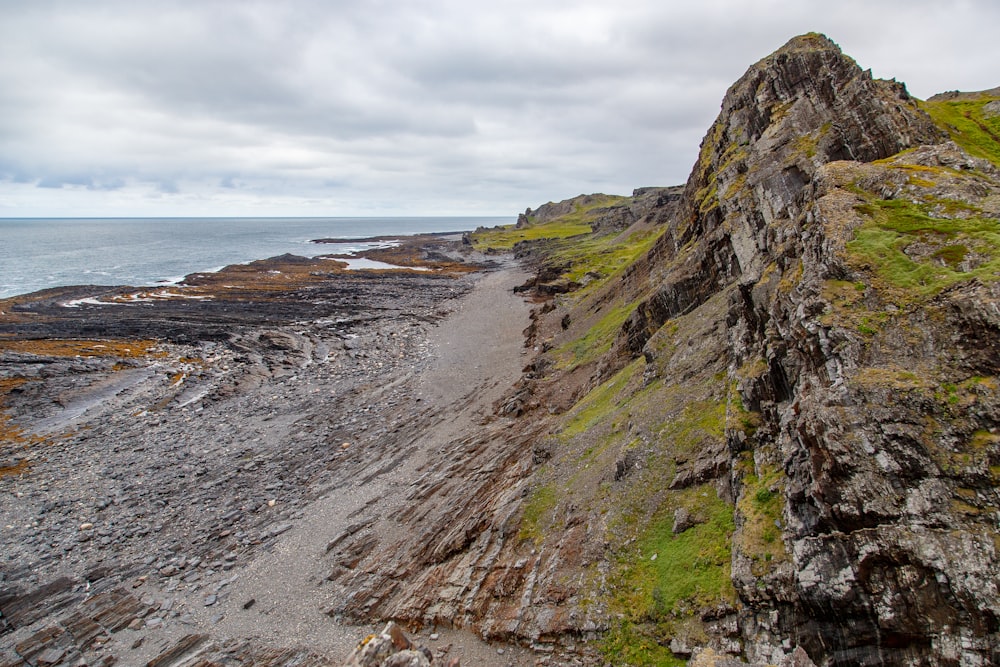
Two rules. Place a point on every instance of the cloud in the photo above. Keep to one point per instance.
(423, 107)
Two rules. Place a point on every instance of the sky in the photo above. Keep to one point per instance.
(407, 107)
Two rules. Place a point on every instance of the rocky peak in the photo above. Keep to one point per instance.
(796, 178)
(803, 106)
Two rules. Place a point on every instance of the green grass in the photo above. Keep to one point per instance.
(895, 224)
(538, 514)
(597, 340)
(627, 644)
(664, 580)
(576, 223)
(586, 259)
(968, 126)
(602, 402)
(506, 237)
(761, 505)
(700, 421)
(691, 569)
(604, 256)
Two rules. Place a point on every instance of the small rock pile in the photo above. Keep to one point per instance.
(392, 648)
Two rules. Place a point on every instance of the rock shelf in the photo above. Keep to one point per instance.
(176, 472)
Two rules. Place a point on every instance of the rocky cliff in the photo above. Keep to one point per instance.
(758, 421)
(761, 420)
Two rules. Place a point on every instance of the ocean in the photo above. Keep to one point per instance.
(37, 253)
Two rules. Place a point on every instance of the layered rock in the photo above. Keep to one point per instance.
(811, 342)
(803, 106)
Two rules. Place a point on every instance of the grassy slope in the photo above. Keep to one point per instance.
(656, 427)
(576, 223)
(969, 124)
(959, 241)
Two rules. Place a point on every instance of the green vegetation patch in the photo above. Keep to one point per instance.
(627, 644)
(700, 421)
(575, 223)
(598, 338)
(663, 579)
(911, 250)
(597, 259)
(670, 573)
(968, 125)
(761, 507)
(538, 513)
(602, 403)
(504, 238)
(593, 262)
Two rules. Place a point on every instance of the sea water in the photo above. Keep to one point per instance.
(37, 253)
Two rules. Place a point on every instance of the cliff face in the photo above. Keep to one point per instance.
(864, 354)
(765, 415)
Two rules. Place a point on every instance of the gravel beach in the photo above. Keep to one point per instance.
(180, 496)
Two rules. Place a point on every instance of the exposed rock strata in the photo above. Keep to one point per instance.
(858, 413)
(870, 408)
(153, 483)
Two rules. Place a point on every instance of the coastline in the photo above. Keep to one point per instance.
(55, 252)
(186, 465)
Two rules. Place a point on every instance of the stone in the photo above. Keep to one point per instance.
(407, 658)
(389, 648)
(797, 658)
(683, 520)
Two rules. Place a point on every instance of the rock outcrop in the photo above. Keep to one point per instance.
(392, 648)
(803, 367)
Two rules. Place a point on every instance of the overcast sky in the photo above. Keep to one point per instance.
(397, 107)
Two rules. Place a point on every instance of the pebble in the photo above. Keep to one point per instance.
(177, 493)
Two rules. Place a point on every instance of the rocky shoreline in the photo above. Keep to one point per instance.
(181, 470)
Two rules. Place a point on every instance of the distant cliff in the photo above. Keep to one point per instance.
(762, 416)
